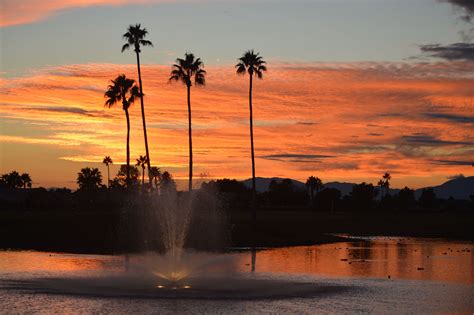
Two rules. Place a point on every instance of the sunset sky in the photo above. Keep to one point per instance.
(355, 88)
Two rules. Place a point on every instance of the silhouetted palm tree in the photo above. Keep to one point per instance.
(121, 177)
(381, 183)
(26, 180)
(107, 161)
(141, 162)
(186, 70)
(123, 90)
(387, 177)
(313, 184)
(89, 178)
(167, 184)
(253, 64)
(155, 174)
(384, 184)
(135, 37)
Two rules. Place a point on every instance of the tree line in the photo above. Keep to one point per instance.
(15, 180)
(94, 189)
(314, 196)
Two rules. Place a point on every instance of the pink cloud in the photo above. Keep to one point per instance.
(15, 12)
(338, 121)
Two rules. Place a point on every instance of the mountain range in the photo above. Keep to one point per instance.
(459, 188)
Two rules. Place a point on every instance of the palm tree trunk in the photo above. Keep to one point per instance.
(108, 176)
(143, 117)
(128, 147)
(143, 176)
(190, 141)
(254, 188)
(251, 136)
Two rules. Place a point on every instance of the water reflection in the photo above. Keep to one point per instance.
(375, 258)
(31, 261)
(379, 258)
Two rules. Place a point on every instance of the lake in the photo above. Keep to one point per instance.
(376, 275)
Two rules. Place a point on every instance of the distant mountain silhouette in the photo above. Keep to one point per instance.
(458, 188)
(262, 183)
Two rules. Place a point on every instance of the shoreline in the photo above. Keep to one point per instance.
(98, 232)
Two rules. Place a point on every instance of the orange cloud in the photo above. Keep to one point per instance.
(350, 121)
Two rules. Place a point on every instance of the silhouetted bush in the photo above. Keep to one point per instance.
(328, 199)
(405, 199)
(428, 198)
(362, 196)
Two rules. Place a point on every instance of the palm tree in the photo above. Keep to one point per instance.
(313, 184)
(123, 90)
(155, 174)
(381, 183)
(26, 180)
(384, 184)
(135, 37)
(141, 161)
(253, 64)
(89, 179)
(387, 177)
(107, 161)
(186, 70)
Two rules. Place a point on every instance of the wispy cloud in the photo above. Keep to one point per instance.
(339, 121)
(456, 51)
(454, 162)
(14, 12)
(465, 6)
(451, 117)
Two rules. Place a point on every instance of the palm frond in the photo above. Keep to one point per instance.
(122, 89)
(240, 68)
(125, 47)
(200, 77)
(144, 42)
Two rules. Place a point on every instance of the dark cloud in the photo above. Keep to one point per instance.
(306, 123)
(456, 51)
(70, 110)
(453, 162)
(329, 166)
(373, 134)
(390, 115)
(42, 86)
(427, 140)
(450, 117)
(466, 7)
(296, 158)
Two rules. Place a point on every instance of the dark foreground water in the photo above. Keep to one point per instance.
(379, 275)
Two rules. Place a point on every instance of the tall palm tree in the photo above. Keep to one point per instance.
(107, 161)
(135, 37)
(186, 70)
(253, 64)
(126, 91)
(141, 161)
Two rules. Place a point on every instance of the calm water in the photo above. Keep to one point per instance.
(379, 275)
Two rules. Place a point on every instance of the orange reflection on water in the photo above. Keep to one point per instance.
(22, 261)
(399, 259)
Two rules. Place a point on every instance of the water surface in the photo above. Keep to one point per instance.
(379, 275)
